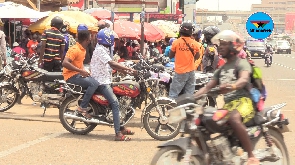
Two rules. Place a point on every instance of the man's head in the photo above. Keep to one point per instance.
(105, 37)
(209, 32)
(268, 47)
(35, 37)
(229, 43)
(84, 38)
(186, 29)
(65, 28)
(82, 27)
(197, 34)
(171, 41)
(57, 22)
(122, 42)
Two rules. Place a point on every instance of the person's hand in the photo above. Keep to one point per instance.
(84, 73)
(225, 88)
(131, 71)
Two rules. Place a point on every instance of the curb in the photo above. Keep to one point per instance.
(27, 119)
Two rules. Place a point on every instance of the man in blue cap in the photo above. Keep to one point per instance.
(89, 48)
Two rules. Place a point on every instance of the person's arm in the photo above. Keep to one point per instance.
(3, 48)
(173, 50)
(62, 47)
(211, 84)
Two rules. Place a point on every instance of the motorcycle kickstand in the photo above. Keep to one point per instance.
(44, 106)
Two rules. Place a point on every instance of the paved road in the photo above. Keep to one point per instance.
(36, 140)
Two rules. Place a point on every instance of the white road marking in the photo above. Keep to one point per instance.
(283, 66)
(279, 79)
(286, 55)
(28, 144)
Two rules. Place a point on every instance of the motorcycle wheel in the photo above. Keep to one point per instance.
(12, 102)
(162, 157)
(71, 126)
(278, 141)
(154, 133)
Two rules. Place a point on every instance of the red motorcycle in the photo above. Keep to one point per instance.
(99, 107)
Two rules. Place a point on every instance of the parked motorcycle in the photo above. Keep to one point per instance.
(212, 141)
(40, 85)
(267, 59)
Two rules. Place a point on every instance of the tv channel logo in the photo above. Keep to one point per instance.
(259, 25)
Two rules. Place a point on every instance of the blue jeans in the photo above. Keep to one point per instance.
(184, 81)
(88, 83)
(107, 91)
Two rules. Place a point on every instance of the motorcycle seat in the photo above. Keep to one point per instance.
(51, 76)
(185, 99)
(258, 118)
(127, 82)
(158, 67)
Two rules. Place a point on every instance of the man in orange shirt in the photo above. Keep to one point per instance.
(74, 72)
(185, 50)
(32, 45)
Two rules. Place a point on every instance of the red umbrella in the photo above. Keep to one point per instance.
(151, 33)
(123, 31)
(103, 14)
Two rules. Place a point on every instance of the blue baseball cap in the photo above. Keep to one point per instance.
(82, 27)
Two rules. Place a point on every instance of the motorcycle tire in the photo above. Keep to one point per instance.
(67, 125)
(11, 104)
(195, 160)
(151, 132)
(278, 140)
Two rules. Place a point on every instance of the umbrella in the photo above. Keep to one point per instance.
(154, 33)
(72, 19)
(123, 31)
(100, 13)
(13, 10)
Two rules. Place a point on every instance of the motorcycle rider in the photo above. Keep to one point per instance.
(210, 58)
(75, 73)
(168, 48)
(185, 50)
(233, 86)
(270, 52)
(53, 46)
(101, 70)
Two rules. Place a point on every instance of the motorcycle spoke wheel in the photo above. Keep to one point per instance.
(173, 155)
(158, 127)
(8, 98)
(72, 125)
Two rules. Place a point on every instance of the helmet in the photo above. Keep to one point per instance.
(82, 27)
(171, 40)
(57, 22)
(105, 37)
(209, 32)
(186, 28)
(197, 33)
(229, 36)
(268, 46)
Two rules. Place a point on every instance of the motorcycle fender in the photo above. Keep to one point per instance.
(284, 129)
(160, 100)
(182, 143)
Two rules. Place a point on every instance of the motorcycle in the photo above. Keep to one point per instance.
(40, 85)
(267, 59)
(212, 141)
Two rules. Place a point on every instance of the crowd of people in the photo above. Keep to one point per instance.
(222, 53)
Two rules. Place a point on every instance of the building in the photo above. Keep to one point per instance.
(277, 9)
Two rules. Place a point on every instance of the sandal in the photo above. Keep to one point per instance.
(253, 161)
(122, 138)
(127, 132)
(84, 113)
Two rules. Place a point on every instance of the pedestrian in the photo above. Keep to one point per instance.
(186, 52)
(53, 46)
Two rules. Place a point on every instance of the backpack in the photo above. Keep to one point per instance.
(72, 41)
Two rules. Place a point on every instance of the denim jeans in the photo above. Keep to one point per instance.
(184, 81)
(107, 92)
(88, 83)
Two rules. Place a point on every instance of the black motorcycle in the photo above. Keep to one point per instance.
(211, 140)
(22, 77)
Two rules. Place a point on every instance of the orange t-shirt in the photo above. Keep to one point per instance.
(184, 59)
(199, 61)
(77, 54)
(30, 46)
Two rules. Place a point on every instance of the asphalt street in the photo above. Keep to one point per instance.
(28, 139)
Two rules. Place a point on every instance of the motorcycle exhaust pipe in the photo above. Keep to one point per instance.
(95, 121)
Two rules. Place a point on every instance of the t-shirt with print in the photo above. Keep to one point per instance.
(184, 59)
(228, 75)
(100, 68)
(77, 54)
